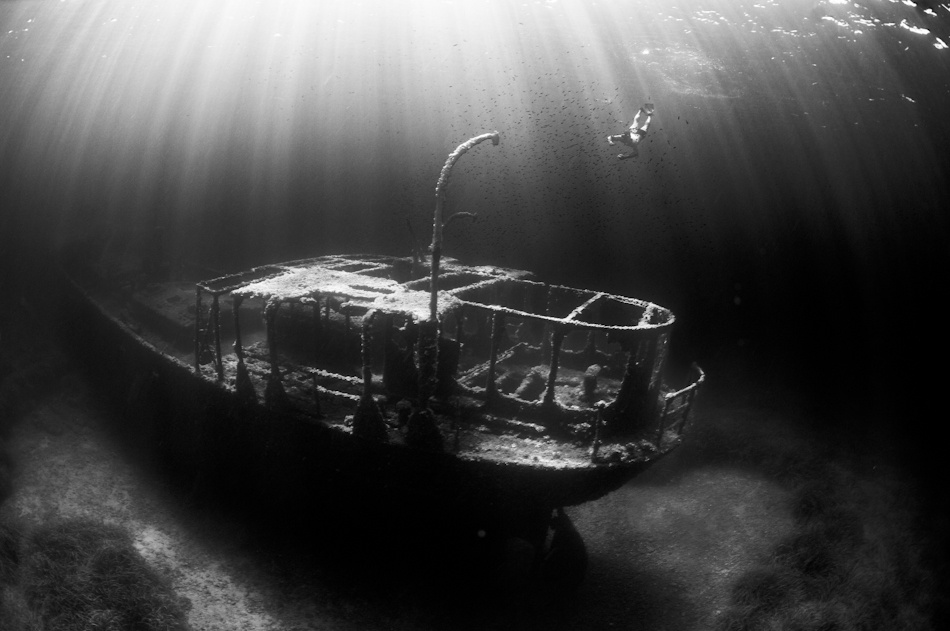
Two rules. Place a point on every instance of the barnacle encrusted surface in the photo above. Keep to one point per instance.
(313, 280)
(375, 292)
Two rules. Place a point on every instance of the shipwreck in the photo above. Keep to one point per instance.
(459, 384)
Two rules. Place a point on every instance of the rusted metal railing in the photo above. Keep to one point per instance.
(686, 396)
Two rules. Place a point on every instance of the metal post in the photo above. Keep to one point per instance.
(598, 421)
(235, 307)
(270, 323)
(216, 323)
(545, 338)
(437, 222)
(427, 349)
(365, 352)
(197, 328)
(497, 322)
(317, 327)
(368, 421)
(637, 398)
(243, 380)
(556, 339)
(274, 394)
(659, 430)
(689, 408)
(460, 325)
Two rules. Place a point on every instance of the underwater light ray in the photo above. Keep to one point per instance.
(72, 105)
(95, 104)
(282, 104)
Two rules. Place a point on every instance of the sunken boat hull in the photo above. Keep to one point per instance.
(538, 396)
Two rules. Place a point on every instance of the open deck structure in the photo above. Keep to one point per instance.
(520, 372)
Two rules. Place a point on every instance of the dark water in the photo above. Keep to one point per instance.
(789, 201)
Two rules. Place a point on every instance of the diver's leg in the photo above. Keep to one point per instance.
(633, 153)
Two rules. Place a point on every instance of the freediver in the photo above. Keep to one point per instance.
(636, 132)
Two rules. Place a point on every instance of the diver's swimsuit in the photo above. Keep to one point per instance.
(627, 138)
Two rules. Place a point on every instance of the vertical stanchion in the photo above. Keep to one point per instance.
(557, 339)
(659, 430)
(243, 383)
(598, 421)
(497, 322)
(197, 328)
(216, 323)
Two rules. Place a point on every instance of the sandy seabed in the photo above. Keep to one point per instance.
(687, 545)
